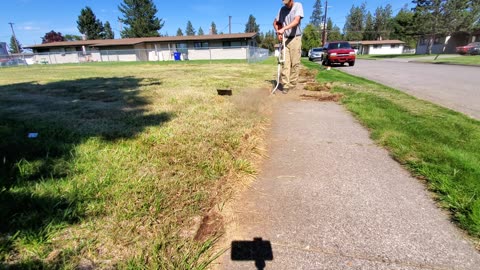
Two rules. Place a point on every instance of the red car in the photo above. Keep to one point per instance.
(338, 52)
(468, 48)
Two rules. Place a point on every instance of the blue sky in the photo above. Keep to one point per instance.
(33, 18)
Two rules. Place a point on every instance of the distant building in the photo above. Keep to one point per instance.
(3, 49)
(205, 47)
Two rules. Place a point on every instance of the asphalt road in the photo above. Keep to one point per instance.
(451, 86)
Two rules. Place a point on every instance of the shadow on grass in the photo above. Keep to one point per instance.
(62, 115)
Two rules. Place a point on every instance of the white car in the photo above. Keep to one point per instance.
(315, 54)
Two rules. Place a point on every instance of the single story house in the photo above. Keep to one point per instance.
(455, 40)
(378, 46)
(224, 46)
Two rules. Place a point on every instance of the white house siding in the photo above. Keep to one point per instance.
(385, 49)
(229, 53)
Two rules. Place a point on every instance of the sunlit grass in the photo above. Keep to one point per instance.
(472, 60)
(128, 160)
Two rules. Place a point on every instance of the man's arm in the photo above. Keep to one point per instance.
(291, 25)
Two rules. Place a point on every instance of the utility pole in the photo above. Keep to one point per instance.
(15, 38)
(229, 24)
(324, 36)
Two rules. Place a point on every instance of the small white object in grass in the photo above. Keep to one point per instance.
(32, 135)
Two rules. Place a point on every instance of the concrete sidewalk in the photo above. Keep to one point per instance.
(329, 198)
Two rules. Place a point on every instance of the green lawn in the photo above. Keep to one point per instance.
(434, 143)
(472, 60)
(131, 159)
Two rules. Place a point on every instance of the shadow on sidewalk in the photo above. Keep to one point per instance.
(257, 250)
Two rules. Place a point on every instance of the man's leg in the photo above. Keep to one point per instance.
(296, 54)
(286, 68)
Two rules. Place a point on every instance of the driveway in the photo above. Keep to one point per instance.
(451, 86)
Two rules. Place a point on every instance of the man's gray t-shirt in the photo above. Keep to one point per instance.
(286, 16)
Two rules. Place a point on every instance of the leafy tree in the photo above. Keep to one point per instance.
(213, 29)
(311, 37)
(13, 46)
(69, 37)
(383, 16)
(354, 26)
(140, 17)
(179, 32)
(108, 32)
(269, 40)
(52, 36)
(369, 31)
(434, 18)
(190, 31)
(333, 31)
(403, 28)
(317, 14)
(335, 34)
(89, 25)
(252, 26)
(200, 32)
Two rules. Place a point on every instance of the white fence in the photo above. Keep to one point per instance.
(249, 54)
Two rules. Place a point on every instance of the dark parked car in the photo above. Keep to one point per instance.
(338, 52)
(315, 54)
(467, 48)
(474, 50)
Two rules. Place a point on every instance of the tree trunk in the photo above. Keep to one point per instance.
(430, 44)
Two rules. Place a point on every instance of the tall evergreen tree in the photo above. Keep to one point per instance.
(190, 31)
(52, 36)
(179, 32)
(200, 32)
(317, 14)
(251, 26)
(402, 27)
(383, 17)
(354, 26)
(108, 32)
(369, 31)
(140, 17)
(14, 44)
(89, 25)
(213, 29)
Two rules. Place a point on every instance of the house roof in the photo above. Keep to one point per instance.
(377, 42)
(134, 41)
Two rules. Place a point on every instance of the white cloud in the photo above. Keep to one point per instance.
(29, 28)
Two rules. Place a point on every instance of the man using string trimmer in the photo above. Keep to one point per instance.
(287, 25)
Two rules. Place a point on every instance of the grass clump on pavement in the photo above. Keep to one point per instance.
(434, 143)
(128, 161)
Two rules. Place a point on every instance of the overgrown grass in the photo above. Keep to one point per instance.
(472, 60)
(128, 162)
(434, 143)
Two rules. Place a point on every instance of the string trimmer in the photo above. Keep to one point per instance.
(280, 54)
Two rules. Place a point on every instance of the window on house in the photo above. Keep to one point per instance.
(423, 41)
(199, 45)
(377, 46)
(437, 40)
(393, 46)
(227, 44)
(182, 47)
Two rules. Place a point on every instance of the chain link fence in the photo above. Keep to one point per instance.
(249, 54)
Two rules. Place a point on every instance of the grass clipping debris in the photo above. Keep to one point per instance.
(320, 92)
